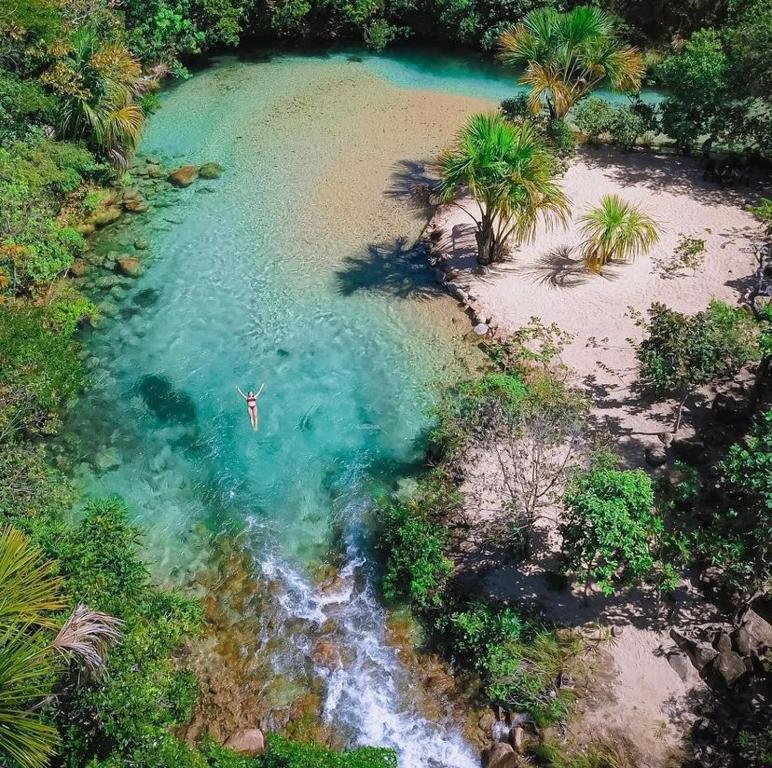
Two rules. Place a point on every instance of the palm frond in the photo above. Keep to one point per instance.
(29, 590)
(87, 635)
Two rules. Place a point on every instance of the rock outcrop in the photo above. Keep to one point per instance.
(183, 176)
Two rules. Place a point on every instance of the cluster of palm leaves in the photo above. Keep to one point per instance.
(616, 230)
(99, 86)
(566, 55)
(35, 646)
(509, 174)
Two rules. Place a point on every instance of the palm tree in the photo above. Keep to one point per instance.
(566, 55)
(510, 176)
(616, 230)
(29, 659)
(98, 86)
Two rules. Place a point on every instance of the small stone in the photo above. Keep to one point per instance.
(129, 266)
(141, 243)
(249, 742)
(107, 309)
(210, 171)
(183, 176)
(107, 281)
(481, 329)
(722, 642)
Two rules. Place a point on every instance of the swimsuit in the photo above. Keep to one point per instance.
(251, 402)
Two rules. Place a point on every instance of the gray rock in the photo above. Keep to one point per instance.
(481, 329)
(722, 642)
(210, 171)
(107, 309)
(742, 641)
(700, 654)
(679, 661)
(758, 628)
(107, 281)
(728, 666)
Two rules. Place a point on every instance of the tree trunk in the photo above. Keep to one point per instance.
(486, 243)
(680, 412)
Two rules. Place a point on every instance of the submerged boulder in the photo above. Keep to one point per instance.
(164, 401)
(183, 176)
(210, 171)
(129, 266)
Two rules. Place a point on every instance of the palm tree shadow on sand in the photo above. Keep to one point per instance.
(558, 268)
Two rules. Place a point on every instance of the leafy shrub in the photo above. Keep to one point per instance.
(518, 661)
(682, 352)
(593, 117)
(610, 530)
(689, 254)
(282, 753)
(626, 126)
(413, 543)
(39, 371)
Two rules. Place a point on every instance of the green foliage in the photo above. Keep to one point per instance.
(739, 535)
(282, 753)
(593, 117)
(616, 230)
(610, 530)
(413, 543)
(130, 709)
(602, 754)
(682, 352)
(689, 254)
(23, 103)
(518, 661)
(567, 55)
(39, 371)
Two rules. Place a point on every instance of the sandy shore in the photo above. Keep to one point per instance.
(547, 278)
(642, 698)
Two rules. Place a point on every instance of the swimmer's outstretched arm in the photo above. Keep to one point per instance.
(262, 387)
(241, 393)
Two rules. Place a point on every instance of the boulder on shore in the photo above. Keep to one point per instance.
(183, 176)
(129, 266)
(210, 171)
(249, 742)
(500, 755)
(105, 215)
(78, 268)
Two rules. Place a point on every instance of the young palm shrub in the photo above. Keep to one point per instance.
(616, 231)
(511, 177)
(29, 658)
(98, 86)
(566, 55)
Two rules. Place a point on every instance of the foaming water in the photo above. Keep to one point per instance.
(294, 270)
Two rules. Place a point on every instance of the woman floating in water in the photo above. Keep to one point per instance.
(251, 399)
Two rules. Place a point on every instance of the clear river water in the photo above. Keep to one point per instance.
(294, 270)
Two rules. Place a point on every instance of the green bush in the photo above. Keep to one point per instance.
(594, 117)
(39, 371)
(413, 544)
(282, 753)
(626, 127)
(610, 529)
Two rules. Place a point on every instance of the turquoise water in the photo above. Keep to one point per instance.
(293, 270)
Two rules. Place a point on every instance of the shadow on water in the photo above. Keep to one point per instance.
(395, 268)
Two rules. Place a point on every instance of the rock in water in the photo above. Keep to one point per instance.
(129, 266)
(135, 205)
(141, 243)
(210, 171)
(183, 176)
(78, 268)
(105, 215)
(249, 742)
(165, 402)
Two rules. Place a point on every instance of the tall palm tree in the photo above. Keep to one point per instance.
(29, 657)
(98, 85)
(616, 230)
(511, 178)
(566, 55)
